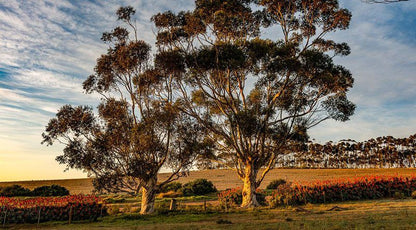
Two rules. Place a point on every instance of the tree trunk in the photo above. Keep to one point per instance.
(148, 197)
(249, 188)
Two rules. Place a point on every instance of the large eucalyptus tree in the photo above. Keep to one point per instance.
(257, 74)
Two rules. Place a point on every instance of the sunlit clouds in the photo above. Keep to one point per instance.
(47, 49)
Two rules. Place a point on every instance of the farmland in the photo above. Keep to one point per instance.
(379, 214)
(224, 179)
(382, 213)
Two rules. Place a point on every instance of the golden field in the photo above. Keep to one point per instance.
(223, 178)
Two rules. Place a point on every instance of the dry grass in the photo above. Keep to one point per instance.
(223, 179)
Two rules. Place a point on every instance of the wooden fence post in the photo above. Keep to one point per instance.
(205, 205)
(70, 214)
(39, 215)
(226, 205)
(172, 205)
(101, 212)
(4, 220)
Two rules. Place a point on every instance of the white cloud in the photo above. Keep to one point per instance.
(384, 68)
(49, 47)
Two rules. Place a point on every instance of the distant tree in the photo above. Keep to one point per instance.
(256, 96)
(380, 152)
(138, 129)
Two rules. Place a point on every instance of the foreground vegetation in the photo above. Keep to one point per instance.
(43, 209)
(375, 214)
(197, 205)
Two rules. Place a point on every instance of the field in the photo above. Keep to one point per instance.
(224, 179)
(367, 214)
(379, 214)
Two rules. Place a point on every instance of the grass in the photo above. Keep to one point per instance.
(224, 179)
(375, 214)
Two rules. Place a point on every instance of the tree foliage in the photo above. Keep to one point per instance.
(254, 94)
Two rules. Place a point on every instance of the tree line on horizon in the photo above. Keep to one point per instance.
(380, 152)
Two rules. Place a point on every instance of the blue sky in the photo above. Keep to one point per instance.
(47, 48)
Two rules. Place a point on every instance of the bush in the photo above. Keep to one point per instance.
(275, 183)
(414, 195)
(173, 186)
(230, 197)
(399, 195)
(234, 197)
(14, 190)
(198, 187)
(283, 196)
(53, 190)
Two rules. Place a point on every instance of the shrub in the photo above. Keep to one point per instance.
(53, 190)
(283, 196)
(233, 197)
(14, 190)
(399, 195)
(275, 183)
(173, 186)
(198, 187)
(230, 197)
(414, 194)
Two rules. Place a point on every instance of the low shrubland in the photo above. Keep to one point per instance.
(363, 188)
(36, 210)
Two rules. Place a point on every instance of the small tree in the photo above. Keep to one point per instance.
(138, 129)
(257, 96)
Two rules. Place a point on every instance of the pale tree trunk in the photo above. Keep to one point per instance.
(249, 188)
(148, 197)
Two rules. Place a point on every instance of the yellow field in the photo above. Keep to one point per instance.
(223, 179)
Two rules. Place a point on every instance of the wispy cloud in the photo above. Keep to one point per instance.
(383, 63)
(49, 47)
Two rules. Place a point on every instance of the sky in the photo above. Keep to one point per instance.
(49, 47)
